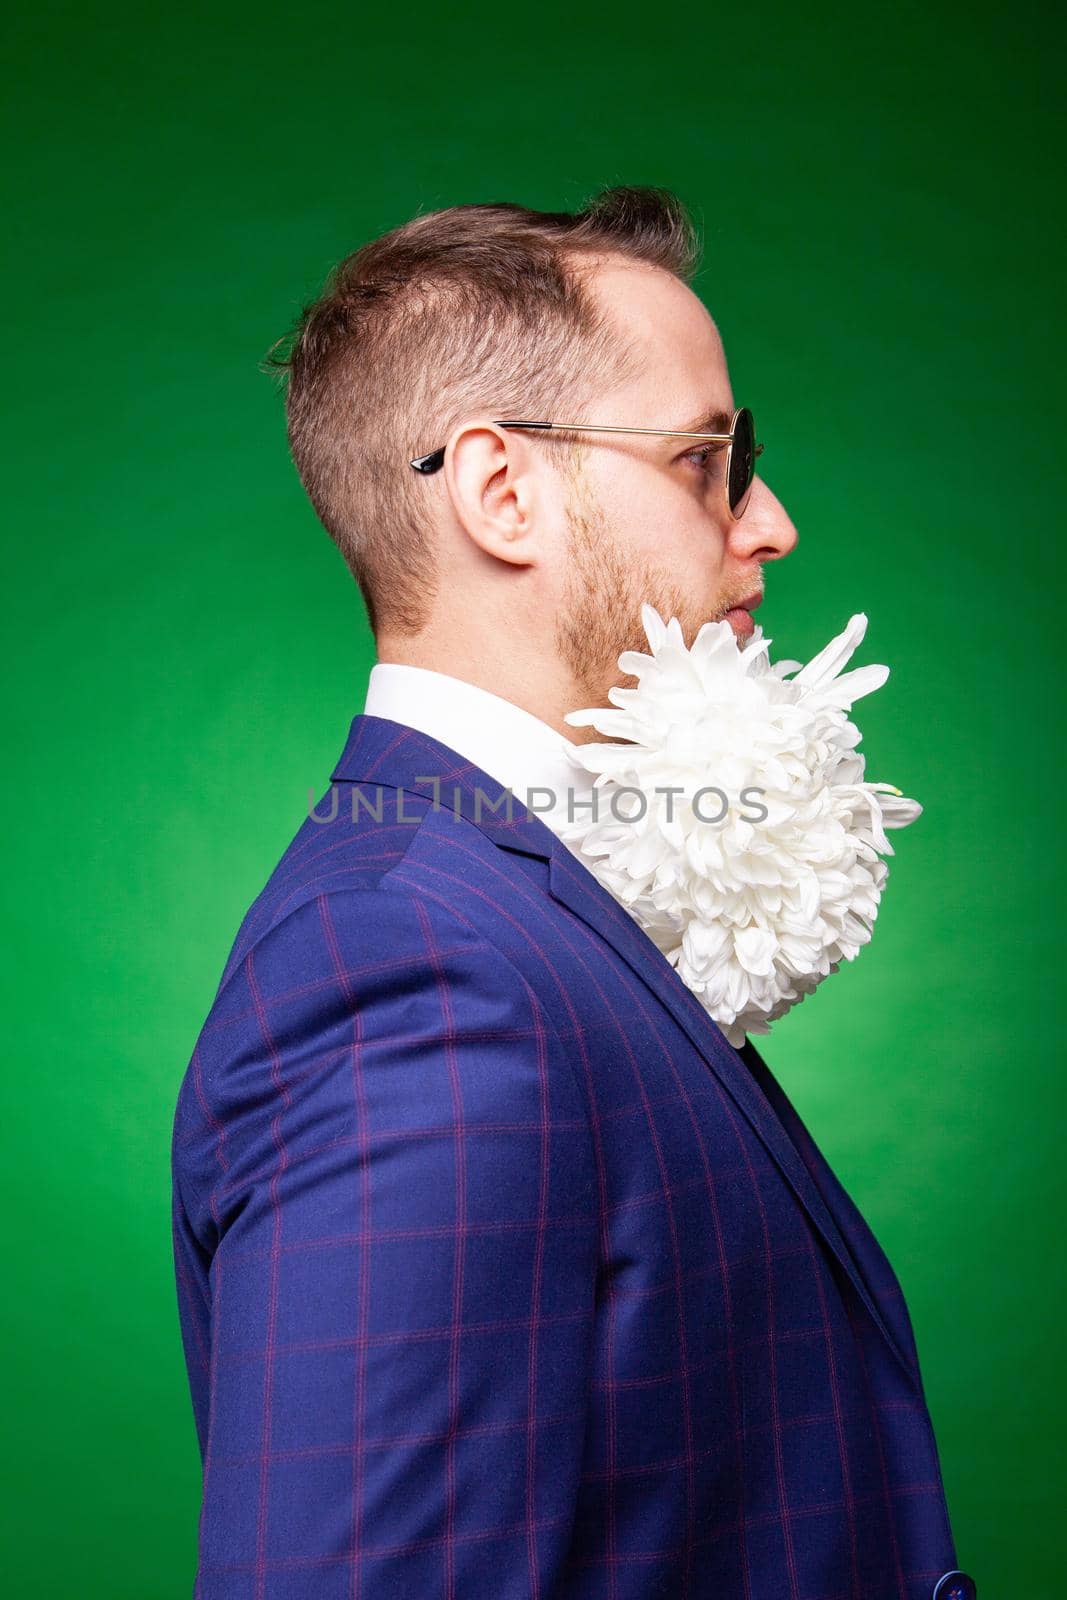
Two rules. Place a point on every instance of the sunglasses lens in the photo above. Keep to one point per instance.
(742, 461)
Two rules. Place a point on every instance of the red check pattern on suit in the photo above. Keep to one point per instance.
(500, 1274)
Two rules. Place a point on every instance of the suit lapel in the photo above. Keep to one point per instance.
(388, 753)
(583, 894)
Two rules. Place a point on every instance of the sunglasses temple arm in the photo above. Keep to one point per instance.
(604, 427)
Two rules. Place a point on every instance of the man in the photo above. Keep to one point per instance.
(501, 1273)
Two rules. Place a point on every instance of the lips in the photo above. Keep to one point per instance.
(741, 622)
(740, 616)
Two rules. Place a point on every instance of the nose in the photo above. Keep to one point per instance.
(765, 532)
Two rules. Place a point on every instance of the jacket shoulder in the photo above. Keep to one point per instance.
(350, 840)
(427, 994)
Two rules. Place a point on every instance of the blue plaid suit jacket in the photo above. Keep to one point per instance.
(500, 1273)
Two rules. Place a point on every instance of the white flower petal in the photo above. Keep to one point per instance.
(832, 657)
(755, 908)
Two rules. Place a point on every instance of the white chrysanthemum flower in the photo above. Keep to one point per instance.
(761, 873)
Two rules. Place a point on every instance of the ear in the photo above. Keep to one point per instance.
(493, 482)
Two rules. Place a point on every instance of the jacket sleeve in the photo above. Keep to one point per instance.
(386, 1243)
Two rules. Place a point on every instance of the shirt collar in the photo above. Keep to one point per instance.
(513, 746)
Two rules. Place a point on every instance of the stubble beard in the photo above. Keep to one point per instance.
(601, 613)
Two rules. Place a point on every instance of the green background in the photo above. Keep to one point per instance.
(186, 647)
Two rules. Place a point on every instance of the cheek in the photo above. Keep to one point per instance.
(665, 521)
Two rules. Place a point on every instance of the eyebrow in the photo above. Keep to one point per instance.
(707, 422)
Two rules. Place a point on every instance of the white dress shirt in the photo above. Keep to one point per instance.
(510, 744)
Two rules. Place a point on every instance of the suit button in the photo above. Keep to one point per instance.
(955, 1586)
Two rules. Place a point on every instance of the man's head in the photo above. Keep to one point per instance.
(539, 544)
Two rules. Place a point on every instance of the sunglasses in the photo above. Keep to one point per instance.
(741, 452)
